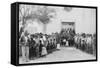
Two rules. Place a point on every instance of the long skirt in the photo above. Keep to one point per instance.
(48, 48)
(32, 52)
(66, 43)
(37, 52)
(44, 51)
(25, 53)
(58, 46)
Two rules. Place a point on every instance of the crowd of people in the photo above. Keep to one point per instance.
(37, 45)
(32, 46)
(86, 42)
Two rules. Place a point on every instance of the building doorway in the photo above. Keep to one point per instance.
(68, 32)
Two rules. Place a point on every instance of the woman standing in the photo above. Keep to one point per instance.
(40, 47)
(44, 50)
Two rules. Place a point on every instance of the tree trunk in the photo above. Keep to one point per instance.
(44, 28)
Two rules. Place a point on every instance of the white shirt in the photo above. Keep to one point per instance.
(44, 38)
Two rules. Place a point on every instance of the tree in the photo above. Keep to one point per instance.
(24, 14)
(41, 13)
(44, 15)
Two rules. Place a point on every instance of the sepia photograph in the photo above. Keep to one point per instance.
(56, 33)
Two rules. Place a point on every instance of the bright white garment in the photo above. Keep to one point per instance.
(75, 38)
(89, 40)
(26, 39)
(44, 38)
(66, 43)
(44, 51)
(64, 40)
(58, 46)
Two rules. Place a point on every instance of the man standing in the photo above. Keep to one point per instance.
(27, 37)
(22, 44)
(37, 46)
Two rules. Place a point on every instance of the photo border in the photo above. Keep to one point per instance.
(59, 5)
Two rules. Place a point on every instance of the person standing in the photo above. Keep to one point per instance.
(22, 40)
(58, 40)
(58, 46)
(55, 43)
(37, 46)
(27, 47)
(44, 50)
(66, 44)
(48, 45)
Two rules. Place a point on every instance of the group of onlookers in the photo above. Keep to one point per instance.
(37, 45)
(82, 41)
(67, 37)
(86, 42)
(32, 46)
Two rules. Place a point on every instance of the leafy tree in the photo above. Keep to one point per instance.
(44, 15)
(41, 13)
